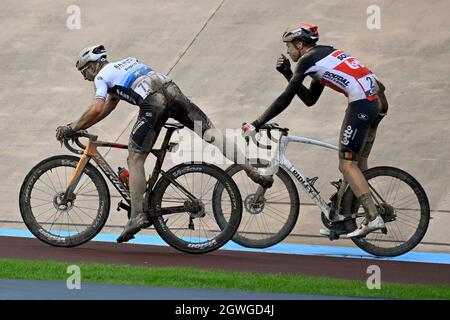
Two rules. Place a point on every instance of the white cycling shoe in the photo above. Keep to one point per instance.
(364, 229)
(325, 232)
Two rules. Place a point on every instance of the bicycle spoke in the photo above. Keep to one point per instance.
(41, 213)
(79, 218)
(92, 209)
(68, 216)
(60, 184)
(51, 182)
(35, 188)
(275, 210)
(84, 185)
(211, 187)
(82, 211)
(202, 192)
(33, 198)
(40, 205)
(56, 217)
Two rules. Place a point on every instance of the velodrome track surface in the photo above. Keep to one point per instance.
(222, 54)
(229, 260)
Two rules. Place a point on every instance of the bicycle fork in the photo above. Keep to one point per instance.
(69, 195)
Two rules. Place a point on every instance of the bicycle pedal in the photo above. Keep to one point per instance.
(333, 236)
(336, 234)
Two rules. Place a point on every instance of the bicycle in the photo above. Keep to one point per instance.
(274, 212)
(70, 212)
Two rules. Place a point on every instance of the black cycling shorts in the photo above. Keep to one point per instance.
(359, 126)
(158, 107)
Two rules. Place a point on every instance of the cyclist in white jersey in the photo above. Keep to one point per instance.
(158, 98)
(334, 68)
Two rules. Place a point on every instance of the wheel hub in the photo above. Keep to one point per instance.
(61, 205)
(387, 212)
(196, 208)
(252, 206)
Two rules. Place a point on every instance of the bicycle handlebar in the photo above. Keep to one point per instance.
(75, 139)
(268, 127)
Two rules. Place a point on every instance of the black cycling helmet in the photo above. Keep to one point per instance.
(306, 32)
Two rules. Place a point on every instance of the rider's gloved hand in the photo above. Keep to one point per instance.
(248, 129)
(64, 132)
(284, 66)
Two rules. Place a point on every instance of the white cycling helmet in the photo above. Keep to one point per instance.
(90, 54)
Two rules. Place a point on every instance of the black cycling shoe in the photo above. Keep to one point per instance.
(264, 181)
(133, 226)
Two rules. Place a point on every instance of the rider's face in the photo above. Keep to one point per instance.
(88, 72)
(293, 50)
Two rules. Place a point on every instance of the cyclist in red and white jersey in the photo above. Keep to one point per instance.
(367, 105)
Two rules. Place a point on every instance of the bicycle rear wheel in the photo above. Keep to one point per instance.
(403, 205)
(194, 229)
(41, 210)
(271, 221)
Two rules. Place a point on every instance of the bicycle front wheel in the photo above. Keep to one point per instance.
(63, 225)
(270, 221)
(185, 220)
(403, 205)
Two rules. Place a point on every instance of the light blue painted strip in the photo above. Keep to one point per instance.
(300, 249)
(16, 233)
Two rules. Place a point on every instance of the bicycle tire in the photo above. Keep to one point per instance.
(29, 218)
(350, 201)
(200, 246)
(266, 238)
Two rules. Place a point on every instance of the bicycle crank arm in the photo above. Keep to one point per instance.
(259, 194)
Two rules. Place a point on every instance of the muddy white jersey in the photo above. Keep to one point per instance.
(128, 79)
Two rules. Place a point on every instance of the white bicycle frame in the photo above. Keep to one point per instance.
(284, 162)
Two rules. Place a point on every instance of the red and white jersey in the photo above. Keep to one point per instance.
(341, 72)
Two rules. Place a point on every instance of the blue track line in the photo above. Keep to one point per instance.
(299, 249)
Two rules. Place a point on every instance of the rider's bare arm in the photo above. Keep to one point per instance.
(97, 111)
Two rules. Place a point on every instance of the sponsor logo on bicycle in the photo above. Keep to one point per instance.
(303, 182)
(114, 179)
(203, 245)
(51, 236)
(232, 196)
(98, 218)
(347, 135)
(179, 172)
